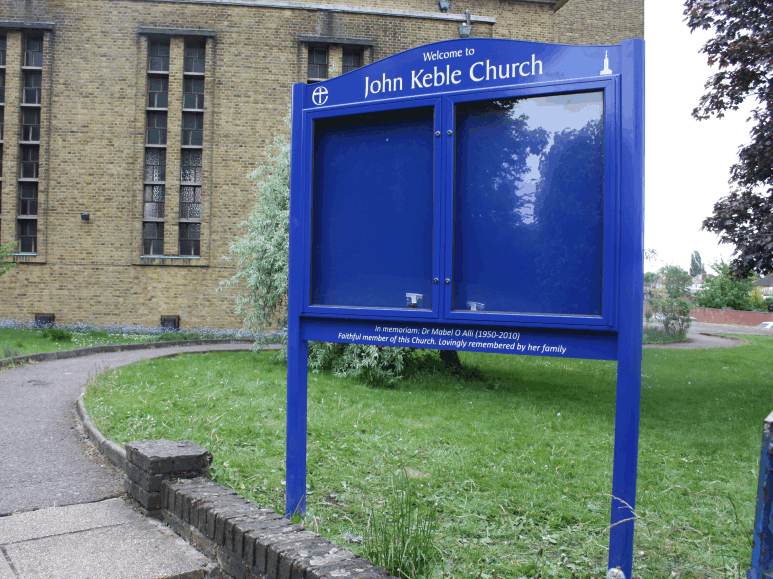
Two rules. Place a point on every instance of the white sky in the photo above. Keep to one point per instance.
(687, 161)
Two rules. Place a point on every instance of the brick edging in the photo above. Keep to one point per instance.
(109, 348)
(246, 541)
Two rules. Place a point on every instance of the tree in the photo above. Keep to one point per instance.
(723, 291)
(696, 264)
(742, 48)
(6, 251)
(676, 281)
(650, 277)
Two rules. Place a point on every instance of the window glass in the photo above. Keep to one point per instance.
(317, 63)
(352, 59)
(158, 57)
(528, 205)
(156, 128)
(195, 53)
(28, 199)
(370, 172)
(33, 54)
(28, 235)
(193, 93)
(30, 124)
(193, 129)
(158, 92)
(33, 81)
(153, 238)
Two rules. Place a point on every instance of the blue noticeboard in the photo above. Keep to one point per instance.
(477, 195)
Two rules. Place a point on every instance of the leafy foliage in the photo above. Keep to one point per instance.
(650, 277)
(262, 254)
(673, 313)
(696, 264)
(375, 365)
(723, 291)
(676, 281)
(6, 251)
(742, 49)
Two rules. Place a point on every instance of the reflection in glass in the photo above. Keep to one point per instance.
(372, 209)
(528, 205)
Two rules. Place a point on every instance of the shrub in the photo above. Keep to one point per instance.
(722, 291)
(6, 251)
(673, 313)
(56, 334)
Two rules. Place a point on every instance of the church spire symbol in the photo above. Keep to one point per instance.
(606, 70)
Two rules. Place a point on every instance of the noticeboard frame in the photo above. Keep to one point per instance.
(618, 70)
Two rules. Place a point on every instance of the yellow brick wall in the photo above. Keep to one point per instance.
(92, 149)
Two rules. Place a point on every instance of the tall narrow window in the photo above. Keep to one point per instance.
(317, 69)
(29, 144)
(154, 178)
(191, 155)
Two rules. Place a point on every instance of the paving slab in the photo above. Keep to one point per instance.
(60, 520)
(80, 543)
(5, 569)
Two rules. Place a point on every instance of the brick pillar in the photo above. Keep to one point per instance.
(11, 129)
(335, 55)
(150, 462)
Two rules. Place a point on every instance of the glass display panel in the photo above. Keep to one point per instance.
(528, 205)
(372, 210)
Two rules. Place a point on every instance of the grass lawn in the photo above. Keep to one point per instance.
(517, 463)
(16, 342)
(22, 341)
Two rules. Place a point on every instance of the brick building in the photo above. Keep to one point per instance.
(128, 128)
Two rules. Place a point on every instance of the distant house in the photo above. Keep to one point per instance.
(765, 285)
(697, 282)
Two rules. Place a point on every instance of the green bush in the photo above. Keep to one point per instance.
(56, 334)
(673, 313)
(375, 365)
(722, 291)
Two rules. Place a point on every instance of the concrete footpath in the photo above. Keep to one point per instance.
(61, 511)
